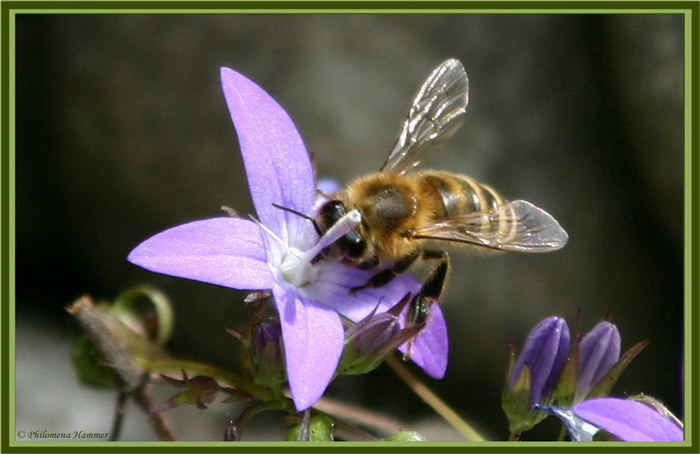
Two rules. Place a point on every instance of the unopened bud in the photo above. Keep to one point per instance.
(268, 354)
(369, 341)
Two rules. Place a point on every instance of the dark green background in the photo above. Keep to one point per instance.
(122, 131)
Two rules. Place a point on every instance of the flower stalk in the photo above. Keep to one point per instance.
(435, 402)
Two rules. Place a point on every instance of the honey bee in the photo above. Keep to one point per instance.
(409, 215)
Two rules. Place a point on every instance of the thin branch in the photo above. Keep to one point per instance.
(118, 416)
(349, 432)
(433, 400)
(143, 396)
(358, 415)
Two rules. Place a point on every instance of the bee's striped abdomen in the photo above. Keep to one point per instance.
(462, 195)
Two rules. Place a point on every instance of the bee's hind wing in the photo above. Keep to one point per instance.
(435, 114)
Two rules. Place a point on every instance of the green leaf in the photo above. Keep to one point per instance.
(89, 365)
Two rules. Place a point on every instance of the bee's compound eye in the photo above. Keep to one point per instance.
(330, 213)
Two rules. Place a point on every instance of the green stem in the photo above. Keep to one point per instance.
(170, 366)
(349, 413)
(434, 401)
(562, 434)
(253, 321)
(124, 305)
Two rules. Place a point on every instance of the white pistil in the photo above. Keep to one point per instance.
(296, 265)
(348, 222)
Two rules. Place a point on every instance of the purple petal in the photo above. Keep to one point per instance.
(333, 284)
(332, 288)
(222, 251)
(327, 185)
(430, 348)
(277, 164)
(313, 342)
(628, 420)
(578, 428)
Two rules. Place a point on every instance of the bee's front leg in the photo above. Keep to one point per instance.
(386, 275)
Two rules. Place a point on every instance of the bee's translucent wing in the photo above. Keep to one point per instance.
(515, 226)
(436, 113)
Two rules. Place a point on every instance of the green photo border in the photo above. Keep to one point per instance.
(9, 10)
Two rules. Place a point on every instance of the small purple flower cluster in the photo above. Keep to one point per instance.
(579, 378)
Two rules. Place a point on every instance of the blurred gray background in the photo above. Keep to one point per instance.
(122, 131)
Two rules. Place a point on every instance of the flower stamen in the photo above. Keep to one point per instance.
(295, 266)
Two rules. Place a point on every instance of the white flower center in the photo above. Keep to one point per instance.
(295, 266)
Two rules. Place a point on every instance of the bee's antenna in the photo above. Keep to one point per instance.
(301, 215)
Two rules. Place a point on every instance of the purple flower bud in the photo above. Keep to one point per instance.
(268, 354)
(232, 432)
(599, 351)
(369, 341)
(545, 352)
(267, 333)
(374, 333)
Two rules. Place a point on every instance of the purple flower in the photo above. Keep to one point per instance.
(628, 420)
(594, 365)
(599, 352)
(276, 251)
(545, 352)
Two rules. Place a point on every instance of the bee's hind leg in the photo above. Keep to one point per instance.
(432, 288)
(419, 310)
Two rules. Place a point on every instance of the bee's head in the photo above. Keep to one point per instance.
(350, 246)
